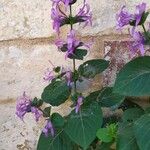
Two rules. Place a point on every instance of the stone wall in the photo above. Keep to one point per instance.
(26, 46)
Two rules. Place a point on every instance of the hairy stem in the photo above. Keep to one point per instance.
(74, 61)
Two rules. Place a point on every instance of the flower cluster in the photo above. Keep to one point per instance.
(60, 18)
(24, 105)
(85, 15)
(125, 18)
(138, 18)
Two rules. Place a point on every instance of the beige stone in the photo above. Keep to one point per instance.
(31, 19)
(25, 19)
(22, 68)
(15, 134)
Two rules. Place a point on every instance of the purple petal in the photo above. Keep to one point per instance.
(37, 113)
(23, 105)
(79, 103)
(49, 129)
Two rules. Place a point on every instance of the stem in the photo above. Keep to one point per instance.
(71, 25)
(146, 34)
(74, 61)
(144, 29)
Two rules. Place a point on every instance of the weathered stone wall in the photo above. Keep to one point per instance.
(26, 45)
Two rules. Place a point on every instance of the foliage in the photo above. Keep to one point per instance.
(86, 127)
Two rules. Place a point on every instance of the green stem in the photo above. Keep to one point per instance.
(74, 61)
(144, 28)
(146, 34)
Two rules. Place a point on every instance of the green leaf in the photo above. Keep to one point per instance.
(82, 127)
(107, 134)
(125, 138)
(147, 110)
(47, 112)
(132, 114)
(91, 68)
(59, 142)
(91, 97)
(57, 120)
(79, 54)
(103, 135)
(134, 78)
(142, 132)
(37, 102)
(144, 17)
(107, 98)
(105, 146)
(56, 93)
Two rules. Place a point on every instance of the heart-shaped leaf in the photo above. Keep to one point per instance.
(91, 68)
(79, 54)
(59, 142)
(82, 127)
(134, 78)
(125, 138)
(56, 93)
(132, 114)
(142, 132)
(107, 98)
(57, 120)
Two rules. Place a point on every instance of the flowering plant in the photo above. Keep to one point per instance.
(86, 127)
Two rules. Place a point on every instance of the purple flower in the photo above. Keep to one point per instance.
(79, 103)
(49, 75)
(138, 43)
(85, 14)
(37, 113)
(59, 43)
(72, 43)
(48, 129)
(68, 76)
(23, 105)
(123, 18)
(140, 9)
(58, 18)
(65, 2)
